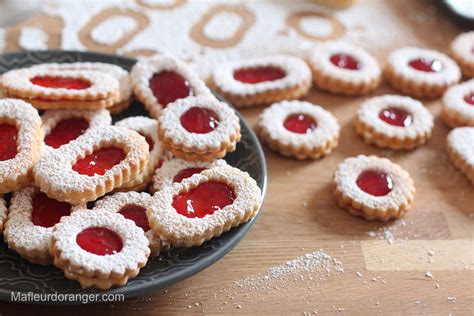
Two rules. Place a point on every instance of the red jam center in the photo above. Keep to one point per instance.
(99, 161)
(204, 199)
(345, 61)
(396, 116)
(426, 64)
(375, 183)
(8, 138)
(137, 214)
(469, 98)
(66, 131)
(47, 212)
(186, 173)
(259, 74)
(199, 120)
(168, 86)
(60, 82)
(300, 123)
(99, 241)
(149, 141)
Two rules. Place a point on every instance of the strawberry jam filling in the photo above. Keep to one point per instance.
(259, 74)
(345, 61)
(47, 212)
(469, 98)
(99, 161)
(149, 142)
(8, 138)
(60, 82)
(375, 183)
(300, 123)
(137, 214)
(66, 131)
(426, 64)
(396, 117)
(186, 173)
(168, 86)
(204, 199)
(99, 241)
(199, 120)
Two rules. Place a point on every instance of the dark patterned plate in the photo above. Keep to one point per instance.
(17, 275)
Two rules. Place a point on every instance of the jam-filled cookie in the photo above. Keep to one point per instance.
(31, 222)
(460, 147)
(262, 80)
(148, 128)
(63, 126)
(462, 51)
(393, 121)
(163, 79)
(343, 68)
(373, 187)
(133, 206)
(21, 141)
(298, 129)
(204, 206)
(422, 73)
(175, 170)
(99, 249)
(92, 165)
(3, 212)
(62, 89)
(122, 76)
(199, 128)
(458, 105)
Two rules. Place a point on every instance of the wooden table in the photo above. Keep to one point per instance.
(300, 216)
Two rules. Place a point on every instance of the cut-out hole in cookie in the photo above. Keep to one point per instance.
(345, 61)
(137, 214)
(47, 212)
(259, 74)
(99, 161)
(396, 116)
(375, 182)
(66, 131)
(426, 64)
(199, 120)
(169, 86)
(186, 173)
(315, 25)
(204, 199)
(300, 123)
(8, 141)
(60, 82)
(100, 241)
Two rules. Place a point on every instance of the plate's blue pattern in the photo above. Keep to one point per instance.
(18, 275)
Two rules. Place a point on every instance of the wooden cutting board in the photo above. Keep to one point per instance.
(300, 216)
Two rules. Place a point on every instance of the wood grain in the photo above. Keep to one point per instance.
(300, 216)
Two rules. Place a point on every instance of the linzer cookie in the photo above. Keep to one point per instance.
(298, 129)
(99, 249)
(31, 221)
(373, 187)
(62, 89)
(122, 76)
(3, 212)
(199, 128)
(460, 147)
(458, 105)
(204, 206)
(133, 206)
(175, 170)
(262, 80)
(343, 68)
(148, 128)
(462, 51)
(63, 126)
(92, 165)
(21, 140)
(393, 121)
(163, 79)
(421, 72)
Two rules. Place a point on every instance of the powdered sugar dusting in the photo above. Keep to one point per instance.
(461, 141)
(33, 38)
(113, 29)
(453, 101)
(222, 26)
